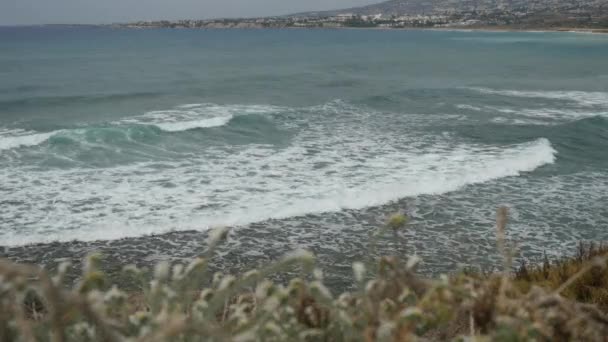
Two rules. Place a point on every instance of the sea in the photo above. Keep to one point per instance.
(135, 143)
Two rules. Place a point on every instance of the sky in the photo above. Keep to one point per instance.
(28, 12)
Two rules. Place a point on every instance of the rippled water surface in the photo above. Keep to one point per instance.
(300, 138)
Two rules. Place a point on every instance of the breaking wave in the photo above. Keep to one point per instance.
(582, 98)
(129, 178)
(11, 139)
(193, 116)
(188, 125)
(254, 185)
(182, 118)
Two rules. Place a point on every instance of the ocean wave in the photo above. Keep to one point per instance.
(257, 184)
(188, 125)
(582, 98)
(199, 115)
(469, 107)
(536, 116)
(338, 156)
(521, 122)
(11, 139)
(190, 105)
(182, 118)
(543, 116)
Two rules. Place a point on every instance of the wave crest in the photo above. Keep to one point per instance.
(12, 139)
(256, 185)
(182, 118)
(192, 116)
(582, 98)
(188, 125)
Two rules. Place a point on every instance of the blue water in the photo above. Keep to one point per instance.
(107, 134)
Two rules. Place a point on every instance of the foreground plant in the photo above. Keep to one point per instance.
(186, 303)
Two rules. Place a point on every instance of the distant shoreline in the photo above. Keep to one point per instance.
(530, 30)
(463, 29)
(454, 28)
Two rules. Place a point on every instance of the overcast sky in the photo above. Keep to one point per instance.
(22, 12)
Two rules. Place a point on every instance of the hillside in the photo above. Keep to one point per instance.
(448, 7)
(589, 15)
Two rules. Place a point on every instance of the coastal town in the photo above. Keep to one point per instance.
(569, 15)
(338, 21)
(515, 20)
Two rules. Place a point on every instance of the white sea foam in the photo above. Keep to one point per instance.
(552, 113)
(190, 105)
(252, 185)
(341, 157)
(199, 115)
(582, 98)
(541, 116)
(469, 107)
(11, 139)
(185, 117)
(188, 125)
(516, 121)
(536, 116)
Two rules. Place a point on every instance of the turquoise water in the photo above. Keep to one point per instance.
(108, 134)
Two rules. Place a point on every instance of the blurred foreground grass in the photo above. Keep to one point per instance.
(562, 301)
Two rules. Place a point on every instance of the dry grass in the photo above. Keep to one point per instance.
(551, 302)
(587, 270)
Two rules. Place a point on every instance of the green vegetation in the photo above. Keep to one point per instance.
(359, 22)
(397, 221)
(551, 302)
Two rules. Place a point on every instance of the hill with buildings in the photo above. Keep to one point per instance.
(497, 14)
(451, 7)
(523, 13)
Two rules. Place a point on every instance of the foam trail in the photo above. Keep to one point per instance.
(583, 98)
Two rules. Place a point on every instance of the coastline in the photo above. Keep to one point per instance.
(463, 29)
(448, 29)
(528, 30)
(495, 29)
